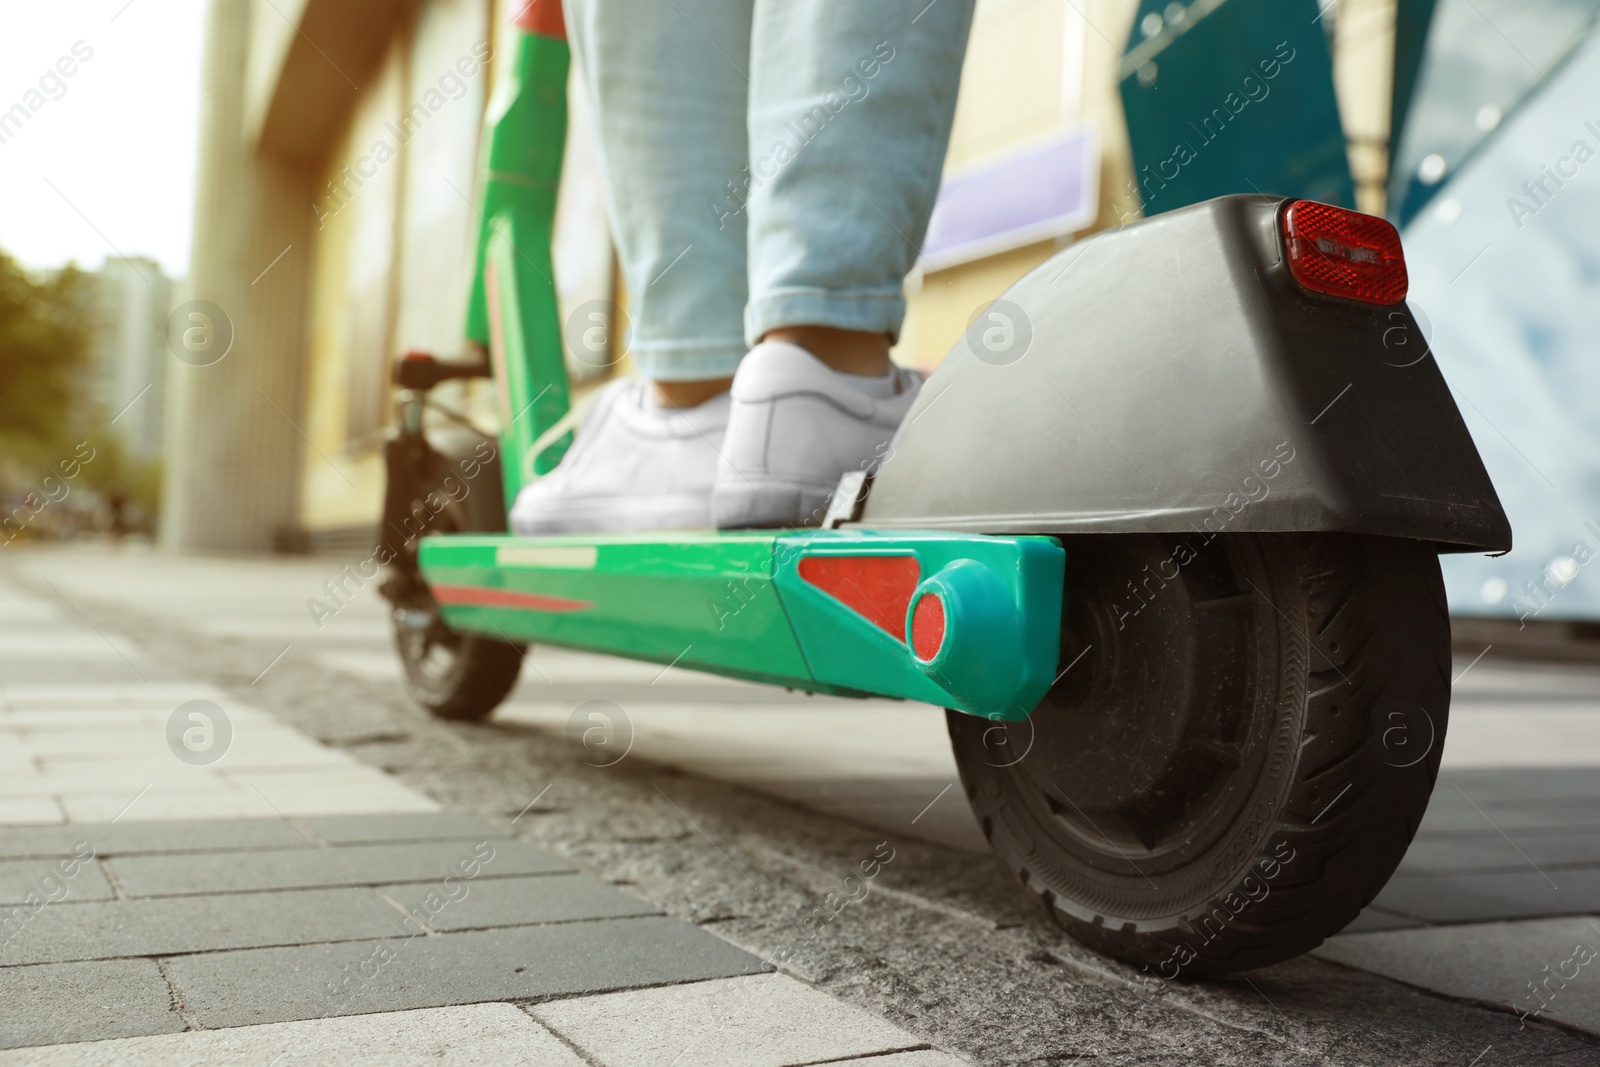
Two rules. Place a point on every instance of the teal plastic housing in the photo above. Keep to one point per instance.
(1002, 640)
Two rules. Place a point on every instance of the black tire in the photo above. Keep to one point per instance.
(1240, 758)
(452, 673)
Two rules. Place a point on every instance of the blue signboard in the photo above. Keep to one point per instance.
(1232, 96)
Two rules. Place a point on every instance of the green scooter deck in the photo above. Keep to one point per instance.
(968, 622)
(965, 621)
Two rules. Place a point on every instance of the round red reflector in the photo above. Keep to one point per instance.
(927, 627)
(1344, 253)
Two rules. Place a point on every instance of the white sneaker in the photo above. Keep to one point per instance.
(795, 427)
(634, 465)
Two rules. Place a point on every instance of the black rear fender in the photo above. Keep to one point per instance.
(1172, 376)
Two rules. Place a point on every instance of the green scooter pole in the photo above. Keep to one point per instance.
(512, 309)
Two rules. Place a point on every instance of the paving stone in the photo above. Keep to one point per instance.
(768, 1020)
(26, 724)
(112, 776)
(158, 768)
(108, 715)
(492, 902)
(67, 642)
(129, 739)
(359, 788)
(170, 694)
(236, 799)
(46, 879)
(1490, 962)
(919, 1058)
(160, 802)
(313, 981)
(921, 807)
(26, 614)
(84, 1001)
(1492, 787)
(1373, 919)
(130, 838)
(29, 810)
(1473, 896)
(443, 1037)
(1486, 852)
(1529, 819)
(112, 669)
(418, 826)
(1490, 801)
(67, 931)
(306, 867)
(65, 747)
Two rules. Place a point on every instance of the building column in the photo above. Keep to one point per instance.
(233, 442)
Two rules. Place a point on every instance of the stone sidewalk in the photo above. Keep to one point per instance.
(1487, 914)
(185, 879)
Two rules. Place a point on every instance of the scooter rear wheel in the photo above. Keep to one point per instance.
(1238, 752)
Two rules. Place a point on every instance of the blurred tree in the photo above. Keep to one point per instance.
(44, 349)
(128, 486)
(50, 423)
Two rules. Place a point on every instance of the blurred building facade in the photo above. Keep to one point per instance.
(1497, 187)
(336, 216)
(129, 357)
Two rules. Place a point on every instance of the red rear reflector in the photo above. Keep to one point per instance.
(877, 587)
(927, 627)
(1344, 253)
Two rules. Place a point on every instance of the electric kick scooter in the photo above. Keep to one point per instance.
(1170, 559)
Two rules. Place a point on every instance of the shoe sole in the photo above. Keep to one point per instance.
(746, 507)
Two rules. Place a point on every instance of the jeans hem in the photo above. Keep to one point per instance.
(688, 361)
(869, 312)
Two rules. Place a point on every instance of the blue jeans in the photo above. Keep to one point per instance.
(768, 163)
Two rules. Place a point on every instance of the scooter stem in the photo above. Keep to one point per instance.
(512, 308)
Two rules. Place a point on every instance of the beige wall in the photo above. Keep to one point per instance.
(439, 224)
(1034, 68)
(393, 254)
(352, 314)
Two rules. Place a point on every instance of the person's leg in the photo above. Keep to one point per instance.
(850, 113)
(667, 86)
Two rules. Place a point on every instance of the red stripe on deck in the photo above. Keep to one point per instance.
(878, 588)
(483, 597)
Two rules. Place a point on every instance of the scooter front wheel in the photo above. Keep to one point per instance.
(1238, 751)
(452, 673)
